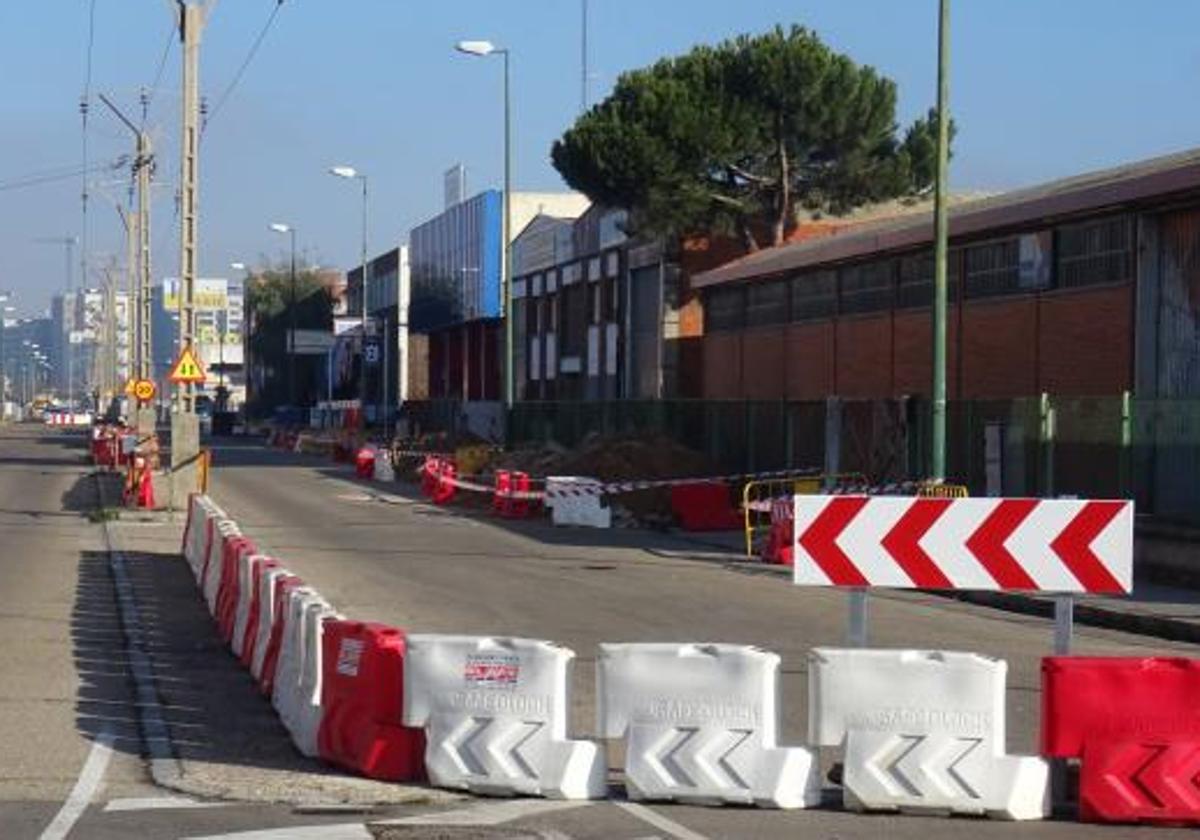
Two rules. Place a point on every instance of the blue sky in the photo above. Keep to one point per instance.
(1039, 90)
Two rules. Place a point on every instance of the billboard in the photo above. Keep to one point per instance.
(210, 294)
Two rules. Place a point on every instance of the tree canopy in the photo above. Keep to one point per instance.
(739, 137)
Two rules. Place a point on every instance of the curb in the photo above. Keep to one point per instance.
(152, 723)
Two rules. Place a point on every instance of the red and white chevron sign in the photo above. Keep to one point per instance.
(1046, 545)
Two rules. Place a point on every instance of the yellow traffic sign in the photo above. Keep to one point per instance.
(187, 369)
(144, 390)
(129, 386)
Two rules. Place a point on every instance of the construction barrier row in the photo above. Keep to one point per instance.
(66, 418)
(918, 731)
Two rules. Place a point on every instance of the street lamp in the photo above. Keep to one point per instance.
(350, 173)
(486, 48)
(279, 227)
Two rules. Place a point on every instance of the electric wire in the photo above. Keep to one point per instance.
(237, 77)
(35, 179)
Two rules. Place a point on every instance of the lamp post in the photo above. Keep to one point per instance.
(349, 172)
(486, 48)
(291, 342)
(940, 281)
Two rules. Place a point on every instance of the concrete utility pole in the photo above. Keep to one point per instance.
(68, 242)
(937, 469)
(138, 234)
(185, 425)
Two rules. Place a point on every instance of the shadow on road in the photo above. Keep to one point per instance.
(213, 708)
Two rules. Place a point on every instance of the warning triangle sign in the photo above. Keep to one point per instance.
(187, 369)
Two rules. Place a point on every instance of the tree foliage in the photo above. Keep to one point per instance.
(739, 137)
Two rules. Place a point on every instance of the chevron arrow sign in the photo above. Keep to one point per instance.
(1043, 545)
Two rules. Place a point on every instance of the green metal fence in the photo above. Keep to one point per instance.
(1094, 447)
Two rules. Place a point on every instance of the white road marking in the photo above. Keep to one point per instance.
(85, 788)
(491, 813)
(337, 831)
(660, 822)
(159, 803)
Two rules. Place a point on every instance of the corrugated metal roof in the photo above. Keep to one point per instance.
(1129, 184)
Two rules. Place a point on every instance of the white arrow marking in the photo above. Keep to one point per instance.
(661, 757)
(722, 773)
(505, 750)
(936, 763)
(894, 751)
(458, 746)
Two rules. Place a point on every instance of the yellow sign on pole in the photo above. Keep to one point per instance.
(130, 386)
(144, 390)
(187, 369)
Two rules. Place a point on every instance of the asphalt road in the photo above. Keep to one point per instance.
(71, 755)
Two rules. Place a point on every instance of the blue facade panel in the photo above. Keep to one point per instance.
(455, 264)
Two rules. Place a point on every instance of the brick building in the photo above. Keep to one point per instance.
(1088, 286)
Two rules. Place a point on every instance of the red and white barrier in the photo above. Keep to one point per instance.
(296, 694)
(362, 697)
(1051, 545)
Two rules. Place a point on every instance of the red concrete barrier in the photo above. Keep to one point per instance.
(362, 691)
(705, 506)
(1133, 723)
(444, 488)
(364, 463)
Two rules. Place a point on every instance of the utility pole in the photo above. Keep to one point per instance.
(583, 80)
(138, 238)
(937, 470)
(185, 425)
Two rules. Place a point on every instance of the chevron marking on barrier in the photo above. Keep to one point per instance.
(888, 766)
(480, 746)
(683, 754)
(1155, 777)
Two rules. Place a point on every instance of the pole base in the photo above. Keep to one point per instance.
(185, 458)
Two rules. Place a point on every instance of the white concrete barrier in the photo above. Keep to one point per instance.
(495, 715)
(266, 618)
(923, 731)
(287, 694)
(296, 694)
(575, 500)
(701, 723)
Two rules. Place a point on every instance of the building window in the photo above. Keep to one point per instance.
(915, 287)
(993, 269)
(1095, 252)
(725, 309)
(767, 303)
(866, 287)
(814, 295)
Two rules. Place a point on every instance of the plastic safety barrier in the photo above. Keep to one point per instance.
(508, 483)
(258, 624)
(236, 550)
(575, 500)
(296, 694)
(1133, 722)
(494, 712)
(214, 564)
(362, 696)
(364, 462)
(701, 723)
(245, 613)
(384, 471)
(923, 730)
(704, 506)
(284, 586)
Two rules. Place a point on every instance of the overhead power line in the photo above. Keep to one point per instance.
(148, 97)
(237, 77)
